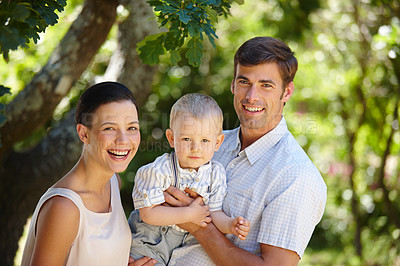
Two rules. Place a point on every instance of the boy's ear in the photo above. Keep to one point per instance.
(220, 139)
(83, 133)
(170, 136)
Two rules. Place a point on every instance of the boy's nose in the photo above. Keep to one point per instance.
(195, 146)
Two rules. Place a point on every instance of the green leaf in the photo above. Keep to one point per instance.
(175, 57)
(195, 52)
(210, 33)
(150, 48)
(194, 29)
(20, 12)
(184, 16)
(4, 90)
(165, 9)
(173, 40)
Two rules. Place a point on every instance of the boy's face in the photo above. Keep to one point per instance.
(194, 140)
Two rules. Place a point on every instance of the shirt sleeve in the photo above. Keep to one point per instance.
(217, 187)
(297, 206)
(150, 182)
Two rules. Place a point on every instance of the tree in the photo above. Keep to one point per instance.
(25, 174)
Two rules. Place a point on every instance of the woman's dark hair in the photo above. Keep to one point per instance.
(260, 50)
(97, 95)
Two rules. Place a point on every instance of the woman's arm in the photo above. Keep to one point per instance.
(56, 229)
(165, 215)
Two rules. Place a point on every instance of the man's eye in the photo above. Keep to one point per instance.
(267, 85)
(205, 140)
(186, 139)
(243, 81)
(108, 128)
(133, 129)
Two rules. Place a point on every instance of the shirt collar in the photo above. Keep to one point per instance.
(263, 144)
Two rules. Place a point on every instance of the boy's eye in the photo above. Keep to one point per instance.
(205, 140)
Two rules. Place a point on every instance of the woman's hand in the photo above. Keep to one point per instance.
(145, 261)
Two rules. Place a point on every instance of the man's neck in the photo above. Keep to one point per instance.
(249, 136)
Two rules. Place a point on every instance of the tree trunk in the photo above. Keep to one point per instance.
(24, 176)
(126, 67)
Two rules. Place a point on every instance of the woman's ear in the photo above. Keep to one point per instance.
(83, 133)
(170, 136)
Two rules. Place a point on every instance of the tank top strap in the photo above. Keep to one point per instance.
(64, 192)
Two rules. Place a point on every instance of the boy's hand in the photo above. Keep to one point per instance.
(240, 227)
(199, 212)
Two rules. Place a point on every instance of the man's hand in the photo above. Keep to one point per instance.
(145, 261)
(176, 198)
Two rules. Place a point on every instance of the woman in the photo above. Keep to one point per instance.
(80, 220)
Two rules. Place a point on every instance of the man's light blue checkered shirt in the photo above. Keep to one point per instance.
(274, 185)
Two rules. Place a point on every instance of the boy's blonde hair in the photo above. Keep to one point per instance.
(199, 106)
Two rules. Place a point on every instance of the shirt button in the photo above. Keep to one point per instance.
(197, 180)
(190, 170)
(145, 196)
(163, 229)
(193, 189)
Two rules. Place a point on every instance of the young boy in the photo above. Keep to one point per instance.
(195, 134)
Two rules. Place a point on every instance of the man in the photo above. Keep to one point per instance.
(271, 181)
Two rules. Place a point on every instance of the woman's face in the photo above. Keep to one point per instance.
(114, 137)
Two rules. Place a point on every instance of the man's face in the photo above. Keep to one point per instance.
(259, 96)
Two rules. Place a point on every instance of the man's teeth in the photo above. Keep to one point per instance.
(253, 109)
(118, 153)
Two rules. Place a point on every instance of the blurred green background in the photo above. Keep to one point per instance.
(344, 110)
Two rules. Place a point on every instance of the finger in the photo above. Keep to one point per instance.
(241, 232)
(179, 195)
(172, 201)
(145, 261)
(199, 200)
(208, 220)
(191, 193)
(243, 228)
(242, 237)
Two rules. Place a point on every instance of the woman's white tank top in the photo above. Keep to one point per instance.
(102, 238)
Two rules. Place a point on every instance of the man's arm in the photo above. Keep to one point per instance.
(222, 251)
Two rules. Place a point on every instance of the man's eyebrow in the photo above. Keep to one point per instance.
(270, 81)
(241, 77)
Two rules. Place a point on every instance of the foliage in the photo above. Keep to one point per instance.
(185, 19)
(344, 111)
(22, 20)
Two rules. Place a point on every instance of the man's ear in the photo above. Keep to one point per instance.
(220, 139)
(170, 137)
(83, 133)
(288, 92)
(233, 86)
